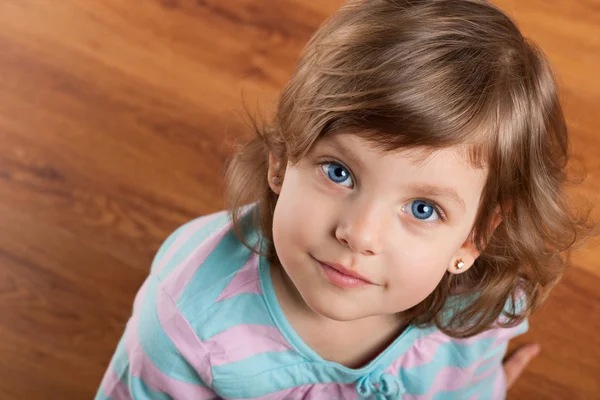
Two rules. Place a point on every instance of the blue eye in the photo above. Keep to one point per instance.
(424, 211)
(337, 174)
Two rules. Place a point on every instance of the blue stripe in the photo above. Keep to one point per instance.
(255, 366)
(483, 389)
(451, 395)
(418, 380)
(245, 308)
(192, 244)
(120, 365)
(156, 343)
(100, 395)
(499, 352)
(213, 276)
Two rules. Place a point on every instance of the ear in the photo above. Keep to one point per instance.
(464, 258)
(275, 174)
(468, 253)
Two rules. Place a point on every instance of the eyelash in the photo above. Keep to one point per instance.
(437, 208)
(333, 161)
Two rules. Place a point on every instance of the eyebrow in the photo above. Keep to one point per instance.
(446, 192)
(337, 144)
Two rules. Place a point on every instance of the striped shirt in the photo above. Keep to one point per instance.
(206, 324)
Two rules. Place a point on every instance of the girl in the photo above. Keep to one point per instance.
(388, 233)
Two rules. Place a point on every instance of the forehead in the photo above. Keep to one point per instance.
(363, 149)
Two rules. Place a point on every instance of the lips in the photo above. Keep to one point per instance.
(345, 271)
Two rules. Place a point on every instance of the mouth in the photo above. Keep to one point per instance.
(342, 276)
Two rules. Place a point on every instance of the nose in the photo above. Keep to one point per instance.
(360, 229)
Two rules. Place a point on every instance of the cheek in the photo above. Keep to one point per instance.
(417, 276)
(302, 210)
(294, 217)
(284, 222)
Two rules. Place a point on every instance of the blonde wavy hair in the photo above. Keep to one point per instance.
(432, 74)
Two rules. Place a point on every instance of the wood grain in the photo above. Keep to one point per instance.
(115, 120)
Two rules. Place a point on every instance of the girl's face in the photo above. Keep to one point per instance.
(392, 218)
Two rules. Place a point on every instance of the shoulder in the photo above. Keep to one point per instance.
(191, 236)
(197, 288)
(437, 362)
(498, 333)
(198, 266)
(199, 260)
(434, 350)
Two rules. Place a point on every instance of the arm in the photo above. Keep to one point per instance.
(516, 363)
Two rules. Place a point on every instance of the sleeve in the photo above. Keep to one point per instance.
(488, 380)
(159, 355)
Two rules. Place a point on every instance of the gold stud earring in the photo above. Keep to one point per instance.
(459, 263)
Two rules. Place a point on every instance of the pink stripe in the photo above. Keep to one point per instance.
(175, 283)
(183, 336)
(182, 239)
(246, 280)
(499, 391)
(496, 359)
(140, 295)
(318, 391)
(243, 341)
(424, 349)
(450, 378)
(141, 366)
(454, 378)
(112, 386)
(482, 376)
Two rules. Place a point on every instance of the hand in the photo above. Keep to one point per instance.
(516, 363)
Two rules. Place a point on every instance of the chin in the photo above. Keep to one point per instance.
(334, 309)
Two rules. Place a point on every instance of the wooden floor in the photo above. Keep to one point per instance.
(115, 120)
